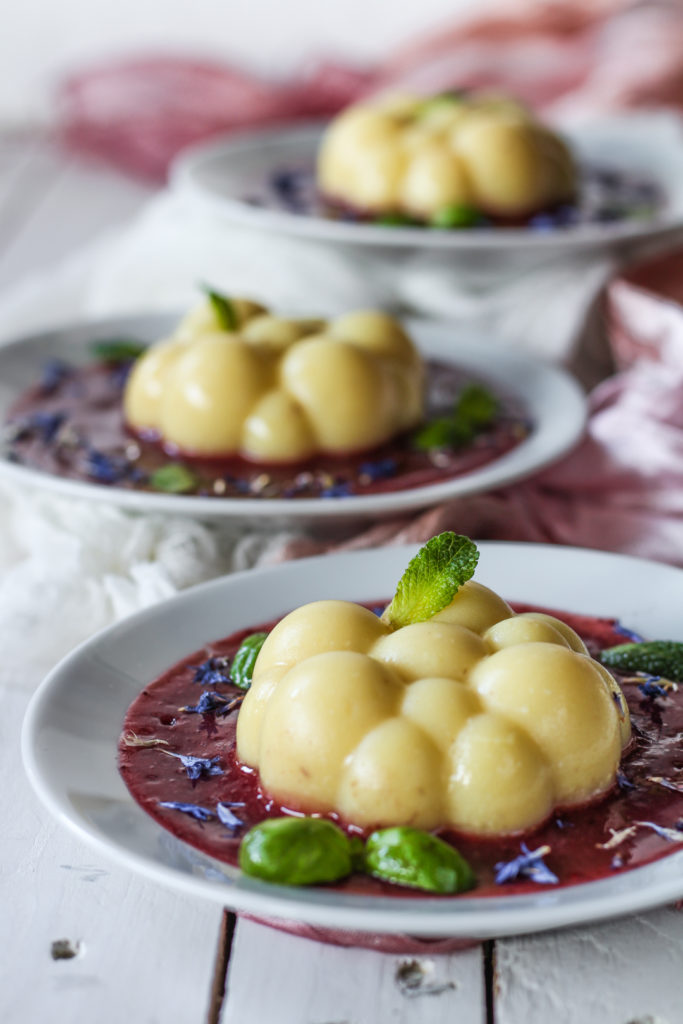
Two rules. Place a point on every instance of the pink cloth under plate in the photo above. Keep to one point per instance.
(621, 489)
(564, 57)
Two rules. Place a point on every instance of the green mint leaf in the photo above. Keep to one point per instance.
(448, 99)
(223, 308)
(655, 657)
(475, 410)
(117, 350)
(243, 663)
(455, 215)
(394, 220)
(436, 434)
(174, 479)
(432, 579)
(476, 406)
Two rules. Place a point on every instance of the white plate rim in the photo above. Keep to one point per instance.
(184, 178)
(553, 398)
(470, 917)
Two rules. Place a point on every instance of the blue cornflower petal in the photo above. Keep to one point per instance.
(543, 222)
(227, 817)
(209, 701)
(672, 835)
(635, 638)
(194, 810)
(381, 469)
(212, 672)
(43, 425)
(529, 864)
(197, 767)
(108, 469)
(650, 688)
(624, 782)
(55, 372)
(341, 490)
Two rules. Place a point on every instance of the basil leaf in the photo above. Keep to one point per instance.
(409, 856)
(243, 663)
(296, 851)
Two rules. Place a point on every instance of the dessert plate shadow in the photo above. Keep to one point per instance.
(551, 398)
(222, 175)
(73, 724)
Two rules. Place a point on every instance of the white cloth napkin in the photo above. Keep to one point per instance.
(69, 567)
(538, 303)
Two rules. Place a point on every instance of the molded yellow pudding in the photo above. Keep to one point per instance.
(476, 719)
(424, 157)
(276, 389)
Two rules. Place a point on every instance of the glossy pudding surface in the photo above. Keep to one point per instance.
(423, 157)
(475, 719)
(584, 842)
(72, 423)
(275, 389)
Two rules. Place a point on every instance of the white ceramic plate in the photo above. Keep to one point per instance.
(221, 174)
(553, 400)
(74, 721)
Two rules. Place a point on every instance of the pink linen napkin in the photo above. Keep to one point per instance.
(565, 57)
(138, 112)
(621, 489)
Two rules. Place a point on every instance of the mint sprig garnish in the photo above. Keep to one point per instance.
(448, 100)
(117, 350)
(432, 579)
(395, 220)
(655, 657)
(223, 308)
(475, 411)
(173, 478)
(456, 215)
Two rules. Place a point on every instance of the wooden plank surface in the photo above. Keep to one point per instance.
(624, 972)
(83, 940)
(142, 952)
(51, 204)
(275, 978)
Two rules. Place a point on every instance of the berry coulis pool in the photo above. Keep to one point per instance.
(637, 823)
(71, 424)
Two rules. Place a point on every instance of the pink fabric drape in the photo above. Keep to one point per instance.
(622, 487)
(565, 56)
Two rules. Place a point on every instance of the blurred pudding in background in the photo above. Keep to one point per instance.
(447, 160)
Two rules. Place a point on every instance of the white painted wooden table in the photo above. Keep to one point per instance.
(84, 941)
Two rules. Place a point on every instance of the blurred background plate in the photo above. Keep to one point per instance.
(224, 174)
(552, 399)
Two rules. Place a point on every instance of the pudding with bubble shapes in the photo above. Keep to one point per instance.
(235, 379)
(475, 719)
(447, 160)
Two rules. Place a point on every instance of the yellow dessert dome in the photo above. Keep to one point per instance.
(475, 718)
(426, 157)
(238, 380)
